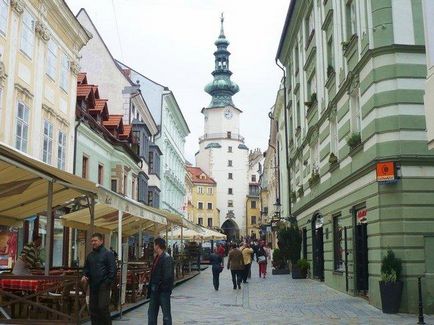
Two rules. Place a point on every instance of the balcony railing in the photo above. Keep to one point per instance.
(228, 135)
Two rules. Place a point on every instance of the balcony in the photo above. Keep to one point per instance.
(215, 136)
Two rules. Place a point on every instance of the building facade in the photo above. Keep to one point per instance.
(202, 203)
(39, 46)
(126, 102)
(355, 85)
(222, 153)
(253, 202)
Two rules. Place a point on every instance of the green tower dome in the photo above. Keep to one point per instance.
(222, 88)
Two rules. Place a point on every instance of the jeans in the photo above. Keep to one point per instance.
(159, 299)
(238, 274)
(246, 271)
(99, 300)
(216, 276)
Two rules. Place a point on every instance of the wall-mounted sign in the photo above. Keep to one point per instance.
(386, 172)
(362, 215)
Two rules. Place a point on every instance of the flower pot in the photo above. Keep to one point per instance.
(297, 273)
(390, 296)
(280, 271)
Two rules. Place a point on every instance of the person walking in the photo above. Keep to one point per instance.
(99, 272)
(262, 256)
(160, 284)
(221, 251)
(216, 261)
(247, 252)
(236, 265)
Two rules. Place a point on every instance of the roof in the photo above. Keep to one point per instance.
(81, 78)
(198, 176)
(113, 121)
(84, 90)
(285, 27)
(127, 132)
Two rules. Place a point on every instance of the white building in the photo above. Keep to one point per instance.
(222, 153)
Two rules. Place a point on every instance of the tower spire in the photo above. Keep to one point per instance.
(221, 88)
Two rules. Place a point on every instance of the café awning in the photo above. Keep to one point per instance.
(135, 215)
(24, 186)
(189, 234)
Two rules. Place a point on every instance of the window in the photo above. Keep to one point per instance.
(64, 72)
(351, 18)
(337, 243)
(311, 87)
(150, 198)
(229, 163)
(209, 190)
(298, 114)
(200, 221)
(200, 205)
(133, 187)
(61, 150)
(230, 203)
(151, 161)
(27, 34)
(142, 192)
(22, 132)
(230, 176)
(229, 134)
(314, 156)
(253, 204)
(51, 59)
(200, 190)
(114, 185)
(100, 174)
(309, 26)
(253, 220)
(330, 55)
(47, 147)
(230, 191)
(356, 120)
(209, 206)
(209, 222)
(296, 58)
(84, 167)
(229, 149)
(334, 135)
(304, 243)
(125, 184)
(253, 178)
(4, 13)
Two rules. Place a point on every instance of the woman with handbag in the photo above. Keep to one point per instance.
(217, 267)
(262, 257)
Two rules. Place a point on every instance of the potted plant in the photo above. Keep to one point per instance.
(280, 266)
(354, 140)
(330, 71)
(300, 191)
(390, 284)
(333, 159)
(314, 178)
(304, 266)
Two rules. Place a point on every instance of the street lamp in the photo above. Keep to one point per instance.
(277, 208)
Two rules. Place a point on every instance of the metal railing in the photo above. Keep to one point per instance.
(234, 136)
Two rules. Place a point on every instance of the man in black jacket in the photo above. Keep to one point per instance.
(160, 284)
(99, 272)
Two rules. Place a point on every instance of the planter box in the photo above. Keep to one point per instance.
(390, 296)
(297, 273)
(279, 272)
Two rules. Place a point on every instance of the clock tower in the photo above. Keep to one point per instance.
(222, 153)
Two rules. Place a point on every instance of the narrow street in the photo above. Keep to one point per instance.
(275, 300)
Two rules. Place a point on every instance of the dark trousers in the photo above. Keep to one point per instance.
(99, 300)
(246, 271)
(158, 299)
(215, 277)
(237, 277)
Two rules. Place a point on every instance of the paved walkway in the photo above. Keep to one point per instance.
(275, 300)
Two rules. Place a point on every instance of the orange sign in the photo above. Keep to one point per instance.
(385, 171)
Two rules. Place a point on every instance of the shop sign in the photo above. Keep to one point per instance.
(386, 172)
(362, 215)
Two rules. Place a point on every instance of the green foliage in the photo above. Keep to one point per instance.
(354, 140)
(303, 264)
(300, 191)
(290, 243)
(278, 259)
(333, 159)
(391, 267)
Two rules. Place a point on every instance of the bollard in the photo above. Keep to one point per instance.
(419, 285)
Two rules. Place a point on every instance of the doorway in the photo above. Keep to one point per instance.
(361, 249)
(231, 230)
(318, 246)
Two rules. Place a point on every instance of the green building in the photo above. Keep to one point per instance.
(354, 97)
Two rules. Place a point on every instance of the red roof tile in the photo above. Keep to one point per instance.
(113, 121)
(100, 104)
(81, 78)
(127, 132)
(196, 173)
(84, 90)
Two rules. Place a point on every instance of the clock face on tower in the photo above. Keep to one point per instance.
(228, 114)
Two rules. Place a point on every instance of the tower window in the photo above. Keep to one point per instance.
(230, 190)
(229, 134)
(229, 163)
(230, 176)
(230, 149)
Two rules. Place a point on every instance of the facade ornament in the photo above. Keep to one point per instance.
(354, 83)
(3, 74)
(18, 6)
(42, 31)
(75, 67)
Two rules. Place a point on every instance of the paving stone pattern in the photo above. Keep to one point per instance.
(278, 299)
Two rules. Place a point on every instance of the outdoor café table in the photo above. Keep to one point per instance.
(31, 290)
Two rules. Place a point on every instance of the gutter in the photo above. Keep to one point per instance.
(286, 134)
(74, 163)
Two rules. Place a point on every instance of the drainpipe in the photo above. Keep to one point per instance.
(74, 163)
(286, 139)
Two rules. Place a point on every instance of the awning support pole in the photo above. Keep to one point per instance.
(167, 232)
(120, 235)
(91, 230)
(182, 239)
(48, 242)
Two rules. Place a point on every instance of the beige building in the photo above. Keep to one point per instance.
(201, 198)
(253, 202)
(39, 45)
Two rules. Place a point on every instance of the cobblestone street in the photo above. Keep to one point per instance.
(276, 300)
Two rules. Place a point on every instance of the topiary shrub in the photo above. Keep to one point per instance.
(391, 267)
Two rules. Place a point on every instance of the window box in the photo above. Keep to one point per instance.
(314, 178)
(354, 141)
(300, 191)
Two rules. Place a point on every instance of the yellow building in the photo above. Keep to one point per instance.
(202, 198)
(253, 211)
(39, 49)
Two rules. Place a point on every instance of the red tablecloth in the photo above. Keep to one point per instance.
(25, 285)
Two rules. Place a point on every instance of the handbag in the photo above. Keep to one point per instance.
(262, 259)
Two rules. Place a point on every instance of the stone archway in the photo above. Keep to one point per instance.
(231, 230)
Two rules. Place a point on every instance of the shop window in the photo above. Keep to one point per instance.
(338, 244)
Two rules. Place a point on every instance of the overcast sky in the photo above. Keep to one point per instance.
(172, 43)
